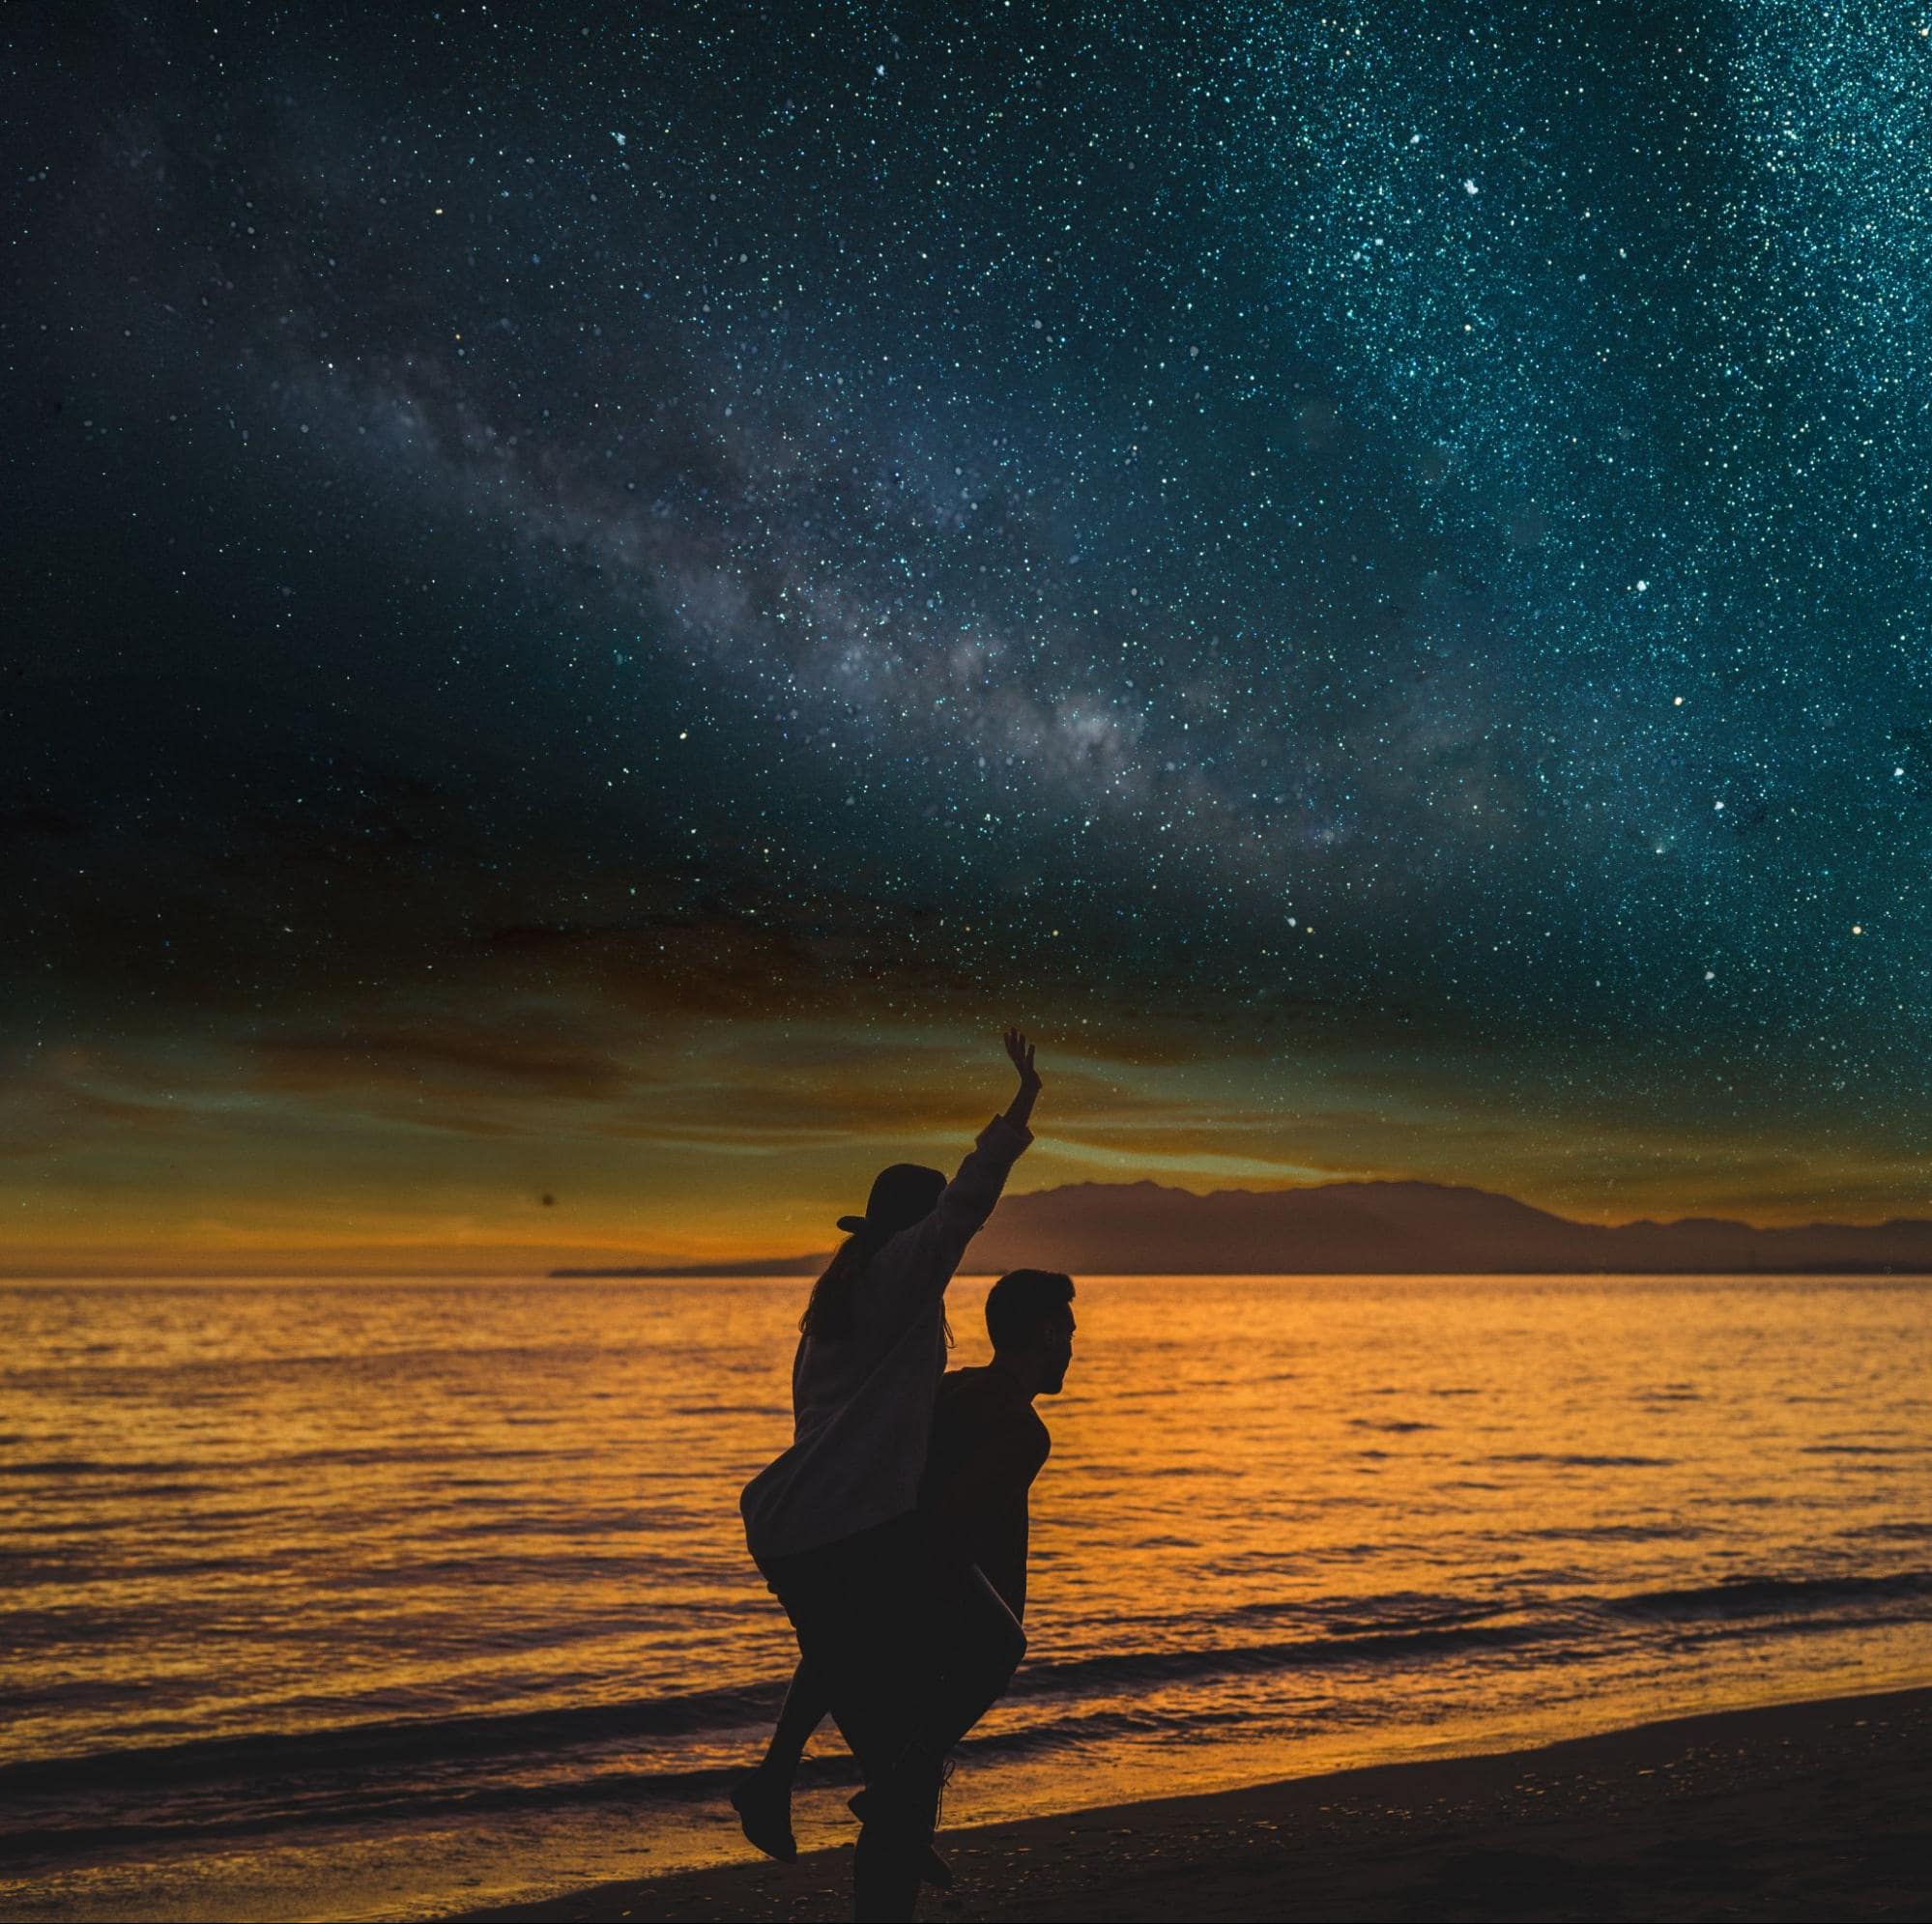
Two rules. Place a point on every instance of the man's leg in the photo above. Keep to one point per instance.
(878, 1711)
(762, 1796)
(958, 1648)
(862, 1612)
(895, 1843)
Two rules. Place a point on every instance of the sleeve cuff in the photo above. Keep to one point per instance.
(1002, 1130)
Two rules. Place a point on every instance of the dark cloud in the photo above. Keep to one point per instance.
(473, 1058)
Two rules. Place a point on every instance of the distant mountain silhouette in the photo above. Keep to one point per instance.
(1392, 1228)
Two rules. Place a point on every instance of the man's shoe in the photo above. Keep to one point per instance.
(937, 1872)
(763, 1806)
(933, 1869)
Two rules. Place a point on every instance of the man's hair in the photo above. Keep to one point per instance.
(1020, 1301)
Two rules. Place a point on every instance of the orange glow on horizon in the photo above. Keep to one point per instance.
(433, 1150)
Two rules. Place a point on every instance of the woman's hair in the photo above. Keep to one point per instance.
(828, 1314)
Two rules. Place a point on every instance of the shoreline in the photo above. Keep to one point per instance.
(1816, 1808)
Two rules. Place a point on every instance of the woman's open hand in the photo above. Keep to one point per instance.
(1020, 1053)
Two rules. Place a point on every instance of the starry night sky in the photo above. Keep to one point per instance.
(599, 596)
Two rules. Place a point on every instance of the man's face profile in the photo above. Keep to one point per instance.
(1056, 1352)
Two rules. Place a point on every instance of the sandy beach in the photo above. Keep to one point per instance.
(1795, 1811)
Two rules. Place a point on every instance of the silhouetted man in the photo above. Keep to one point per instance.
(988, 1444)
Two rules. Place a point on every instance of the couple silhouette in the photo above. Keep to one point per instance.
(894, 1529)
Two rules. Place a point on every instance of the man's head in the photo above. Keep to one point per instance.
(1029, 1315)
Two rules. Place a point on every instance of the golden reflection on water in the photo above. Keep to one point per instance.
(1287, 1523)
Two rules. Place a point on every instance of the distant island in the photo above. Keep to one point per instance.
(1373, 1229)
(770, 1266)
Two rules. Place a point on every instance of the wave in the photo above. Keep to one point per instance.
(410, 1799)
(1350, 1616)
(1770, 1595)
(401, 1742)
(91, 1466)
(1612, 1533)
(405, 1768)
(410, 1744)
(1127, 1667)
(1403, 1630)
(1859, 1450)
(1582, 1462)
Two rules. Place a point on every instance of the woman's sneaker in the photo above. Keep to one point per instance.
(763, 1804)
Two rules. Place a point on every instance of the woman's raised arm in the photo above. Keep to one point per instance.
(928, 1254)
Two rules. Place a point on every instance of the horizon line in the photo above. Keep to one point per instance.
(295, 1262)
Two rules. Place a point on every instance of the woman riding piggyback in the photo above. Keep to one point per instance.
(832, 1523)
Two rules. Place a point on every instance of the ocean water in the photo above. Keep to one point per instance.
(362, 1600)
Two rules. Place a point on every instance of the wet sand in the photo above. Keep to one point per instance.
(1798, 1811)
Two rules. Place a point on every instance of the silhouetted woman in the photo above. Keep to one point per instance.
(833, 1522)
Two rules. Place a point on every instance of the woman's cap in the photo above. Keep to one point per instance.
(901, 1195)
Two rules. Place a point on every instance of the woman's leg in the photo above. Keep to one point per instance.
(762, 1796)
(801, 1714)
(985, 1644)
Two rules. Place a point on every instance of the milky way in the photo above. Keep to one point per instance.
(1253, 530)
